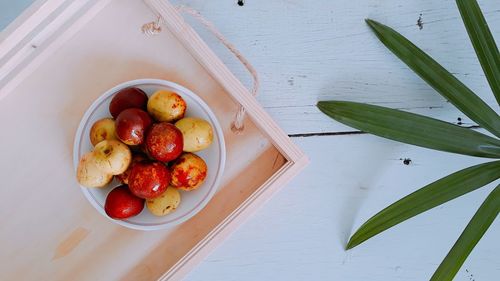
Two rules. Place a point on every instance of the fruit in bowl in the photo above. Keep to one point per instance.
(132, 125)
(164, 142)
(166, 106)
(88, 173)
(188, 172)
(112, 156)
(149, 179)
(164, 204)
(137, 157)
(196, 132)
(131, 97)
(103, 129)
(141, 149)
(122, 204)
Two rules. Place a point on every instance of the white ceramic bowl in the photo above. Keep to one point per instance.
(191, 202)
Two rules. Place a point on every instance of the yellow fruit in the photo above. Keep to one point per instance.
(89, 175)
(103, 129)
(112, 156)
(166, 106)
(197, 133)
(164, 204)
(188, 172)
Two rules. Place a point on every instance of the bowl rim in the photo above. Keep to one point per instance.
(183, 90)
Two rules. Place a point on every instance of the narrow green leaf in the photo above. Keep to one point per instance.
(438, 77)
(411, 128)
(471, 235)
(483, 42)
(426, 198)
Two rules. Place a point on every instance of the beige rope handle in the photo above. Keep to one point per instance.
(154, 28)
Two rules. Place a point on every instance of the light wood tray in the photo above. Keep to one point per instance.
(55, 60)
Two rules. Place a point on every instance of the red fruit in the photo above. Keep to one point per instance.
(164, 142)
(127, 98)
(149, 180)
(123, 178)
(122, 204)
(188, 172)
(131, 126)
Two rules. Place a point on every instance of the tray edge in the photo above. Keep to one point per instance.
(297, 160)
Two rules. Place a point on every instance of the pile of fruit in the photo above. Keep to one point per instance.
(148, 145)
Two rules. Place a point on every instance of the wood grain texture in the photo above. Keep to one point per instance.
(321, 50)
(308, 51)
(74, 242)
(301, 233)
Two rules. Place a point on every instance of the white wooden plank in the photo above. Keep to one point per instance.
(306, 52)
(310, 51)
(301, 233)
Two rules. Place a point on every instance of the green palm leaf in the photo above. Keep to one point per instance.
(411, 128)
(428, 197)
(483, 42)
(438, 77)
(471, 235)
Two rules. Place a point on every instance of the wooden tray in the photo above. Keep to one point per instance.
(56, 59)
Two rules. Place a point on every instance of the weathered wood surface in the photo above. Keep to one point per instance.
(307, 51)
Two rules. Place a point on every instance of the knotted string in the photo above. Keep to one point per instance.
(154, 28)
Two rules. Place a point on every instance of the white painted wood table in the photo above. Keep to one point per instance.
(307, 51)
